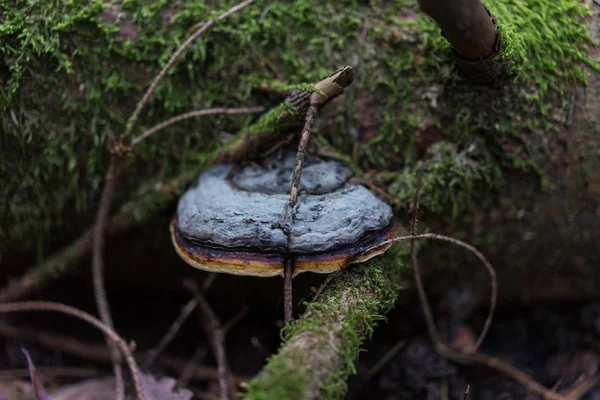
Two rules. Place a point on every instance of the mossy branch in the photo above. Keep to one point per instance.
(321, 347)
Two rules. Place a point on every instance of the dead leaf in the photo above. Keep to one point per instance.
(102, 389)
(15, 389)
(91, 389)
(163, 389)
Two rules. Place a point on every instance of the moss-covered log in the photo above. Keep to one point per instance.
(72, 72)
(321, 346)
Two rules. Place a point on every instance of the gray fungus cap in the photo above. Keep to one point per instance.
(246, 210)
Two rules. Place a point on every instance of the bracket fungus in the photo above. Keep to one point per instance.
(235, 220)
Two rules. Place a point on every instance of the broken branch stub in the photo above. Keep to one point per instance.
(268, 131)
(471, 30)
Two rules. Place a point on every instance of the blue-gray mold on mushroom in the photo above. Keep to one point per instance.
(233, 220)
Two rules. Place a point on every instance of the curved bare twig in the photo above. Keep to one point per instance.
(74, 312)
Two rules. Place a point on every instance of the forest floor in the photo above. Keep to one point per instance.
(556, 344)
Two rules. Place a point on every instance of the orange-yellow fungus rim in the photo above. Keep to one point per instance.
(246, 262)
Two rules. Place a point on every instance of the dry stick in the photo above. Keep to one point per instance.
(98, 353)
(433, 333)
(200, 352)
(176, 325)
(188, 371)
(216, 338)
(488, 266)
(171, 333)
(583, 387)
(474, 356)
(288, 272)
(208, 281)
(235, 319)
(65, 309)
(193, 114)
(467, 392)
(304, 137)
(288, 298)
(98, 268)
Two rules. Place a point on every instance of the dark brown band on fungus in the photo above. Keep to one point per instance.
(247, 262)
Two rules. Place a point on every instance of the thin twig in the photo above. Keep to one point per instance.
(361, 180)
(488, 266)
(200, 352)
(65, 309)
(467, 392)
(209, 24)
(288, 272)
(188, 371)
(288, 298)
(193, 114)
(99, 353)
(171, 333)
(306, 130)
(433, 333)
(98, 268)
(216, 338)
(208, 281)
(377, 367)
(110, 184)
(582, 388)
(235, 319)
(186, 311)
(504, 368)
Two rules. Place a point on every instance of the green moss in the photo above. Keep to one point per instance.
(546, 44)
(270, 120)
(372, 288)
(547, 41)
(462, 178)
(291, 385)
(73, 70)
